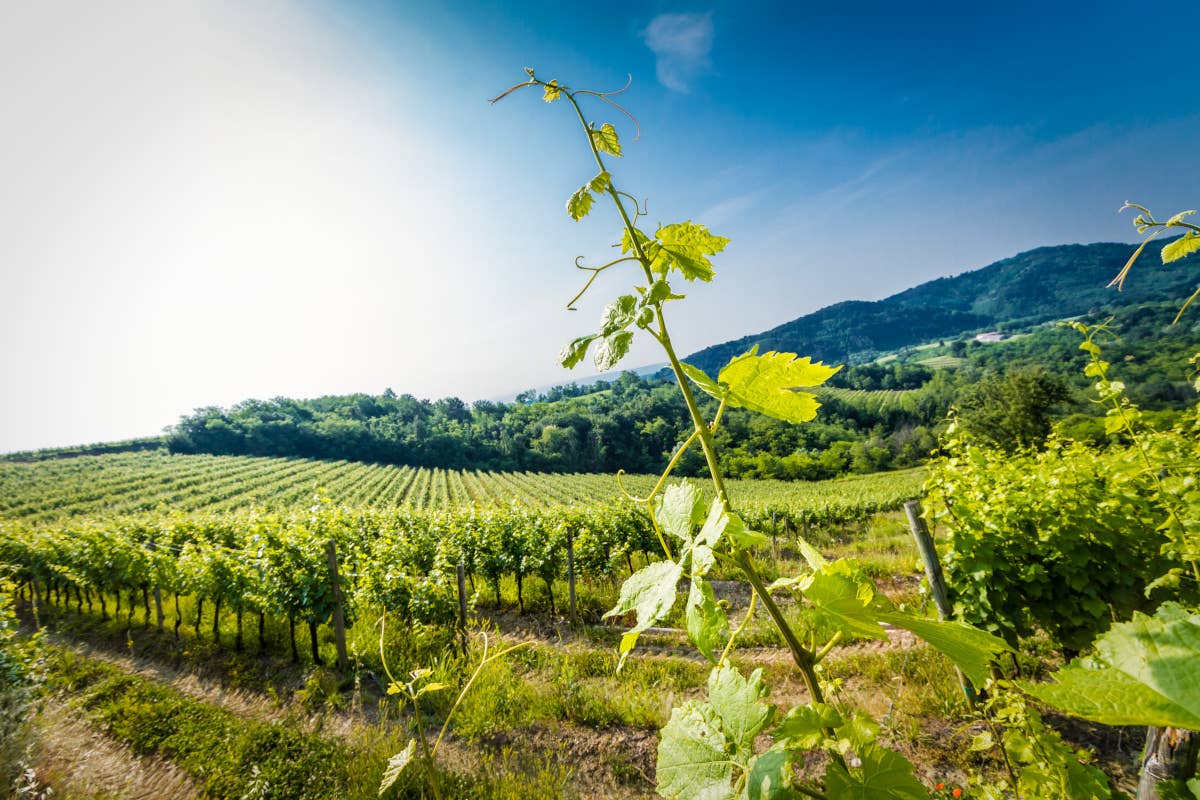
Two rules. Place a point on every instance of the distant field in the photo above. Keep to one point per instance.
(133, 483)
(943, 362)
(875, 401)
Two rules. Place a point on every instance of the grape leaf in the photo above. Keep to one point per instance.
(599, 184)
(692, 762)
(551, 92)
(738, 702)
(804, 726)
(606, 139)
(1183, 246)
(707, 623)
(396, 765)
(714, 525)
(660, 291)
(684, 246)
(627, 241)
(972, 650)
(844, 602)
(574, 352)
(701, 379)
(1143, 673)
(884, 775)
(770, 777)
(765, 383)
(678, 509)
(580, 203)
(651, 593)
(618, 314)
(611, 350)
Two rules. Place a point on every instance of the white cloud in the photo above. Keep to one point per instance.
(681, 43)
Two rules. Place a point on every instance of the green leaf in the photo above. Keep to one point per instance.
(702, 380)
(811, 554)
(611, 350)
(714, 525)
(1193, 785)
(651, 593)
(803, 727)
(579, 203)
(770, 777)
(685, 246)
(574, 352)
(1183, 246)
(627, 242)
(660, 292)
(1178, 218)
(551, 92)
(692, 762)
(599, 184)
(606, 139)
(1143, 673)
(739, 703)
(679, 509)
(618, 314)
(884, 775)
(707, 624)
(396, 765)
(972, 650)
(844, 602)
(765, 384)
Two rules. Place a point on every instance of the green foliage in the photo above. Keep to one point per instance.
(1011, 411)
(1142, 672)
(1040, 764)
(1059, 540)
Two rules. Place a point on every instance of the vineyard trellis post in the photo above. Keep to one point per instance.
(1170, 753)
(571, 571)
(937, 581)
(151, 545)
(339, 619)
(461, 575)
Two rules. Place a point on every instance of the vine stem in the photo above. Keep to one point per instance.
(803, 657)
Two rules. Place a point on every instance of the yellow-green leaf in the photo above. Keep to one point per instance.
(606, 139)
(580, 203)
(685, 246)
(767, 384)
(396, 765)
(552, 92)
(1183, 246)
(600, 183)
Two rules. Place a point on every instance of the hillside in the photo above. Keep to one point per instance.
(1036, 286)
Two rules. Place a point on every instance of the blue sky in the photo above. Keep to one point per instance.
(219, 200)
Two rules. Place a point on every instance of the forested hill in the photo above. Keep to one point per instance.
(1037, 286)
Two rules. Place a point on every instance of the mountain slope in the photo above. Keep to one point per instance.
(1035, 286)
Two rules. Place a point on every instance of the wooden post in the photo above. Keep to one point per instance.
(339, 620)
(158, 612)
(461, 574)
(937, 581)
(1170, 755)
(571, 572)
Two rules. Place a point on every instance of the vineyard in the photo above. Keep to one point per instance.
(251, 535)
(137, 483)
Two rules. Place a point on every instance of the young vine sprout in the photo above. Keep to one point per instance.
(708, 748)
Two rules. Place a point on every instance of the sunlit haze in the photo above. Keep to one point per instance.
(209, 202)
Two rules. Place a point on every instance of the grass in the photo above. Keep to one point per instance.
(230, 756)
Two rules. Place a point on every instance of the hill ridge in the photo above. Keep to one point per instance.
(1036, 285)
